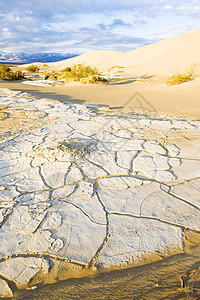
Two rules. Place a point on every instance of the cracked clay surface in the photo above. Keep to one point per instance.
(92, 189)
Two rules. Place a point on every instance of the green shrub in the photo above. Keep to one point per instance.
(7, 74)
(45, 65)
(33, 69)
(93, 79)
(178, 79)
(76, 72)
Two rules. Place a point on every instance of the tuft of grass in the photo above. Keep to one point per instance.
(93, 79)
(33, 69)
(76, 72)
(52, 75)
(45, 65)
(115, 67)
(67, 69)
(178, 79)
(192, 71)
(7, 74)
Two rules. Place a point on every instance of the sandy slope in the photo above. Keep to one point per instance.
(178, 101)
(160, 280)
(161, 58)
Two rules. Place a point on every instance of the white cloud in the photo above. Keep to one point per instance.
(84, 25)
(168, 7)
(189, 10)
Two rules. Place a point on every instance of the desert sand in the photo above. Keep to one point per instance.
(159, 59)
(105, 178)
(180, 101)
(155, 63)
(160, 280)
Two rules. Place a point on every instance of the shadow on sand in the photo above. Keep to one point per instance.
(39, 91)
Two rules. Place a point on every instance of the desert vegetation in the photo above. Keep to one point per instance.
(93, 79)
(7, 74)
(51, 76)
(115, 67)
(81, 72)
(77, 72)
(33, 69)
(193, 69)
(178, 78)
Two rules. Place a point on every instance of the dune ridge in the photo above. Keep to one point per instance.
(159, 59)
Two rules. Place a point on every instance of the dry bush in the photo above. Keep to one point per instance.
(192, 71)
(52, 76)
(178, 79)
(33, 69)
(76, 72)
(115, 67)
(93, 79)
(7, 74)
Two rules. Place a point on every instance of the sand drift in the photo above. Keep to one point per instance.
(92, 189)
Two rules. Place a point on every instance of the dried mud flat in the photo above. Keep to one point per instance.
(82, 193)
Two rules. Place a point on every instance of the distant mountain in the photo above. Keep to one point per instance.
(27, 58)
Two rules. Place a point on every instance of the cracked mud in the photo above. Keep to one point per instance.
(94, 190)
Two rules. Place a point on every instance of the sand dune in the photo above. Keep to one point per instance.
(101, 59)
(161, 58)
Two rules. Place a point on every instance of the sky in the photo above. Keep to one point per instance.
(78, 26)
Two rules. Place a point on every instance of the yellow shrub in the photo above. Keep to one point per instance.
(93, 79)
(7, 74)
(178, 79)
(52, 76)
(193, 69)
(76, 72)
(114, 67)
(33, 69)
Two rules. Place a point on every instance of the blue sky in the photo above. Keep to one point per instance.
(79, 26)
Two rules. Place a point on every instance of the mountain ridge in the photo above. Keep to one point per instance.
(43, 57)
